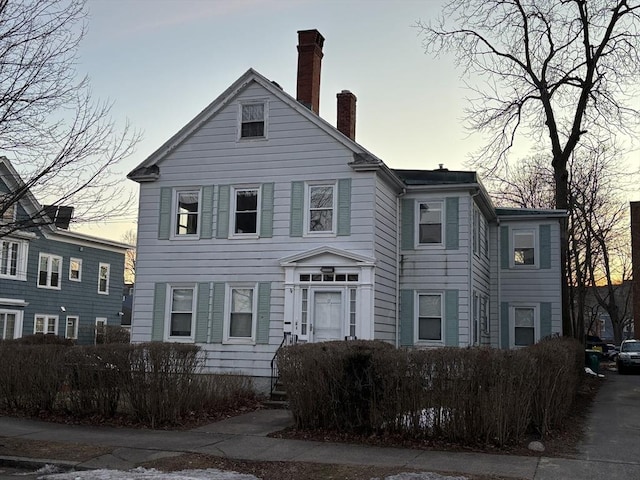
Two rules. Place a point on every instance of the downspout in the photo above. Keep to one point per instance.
(499, 292)
(398, 264)
(471, 260)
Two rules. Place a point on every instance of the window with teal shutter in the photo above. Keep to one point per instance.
(206, 230)
(407, 227)
(344, 206)
(545, 246)
(452, 323)
(159, 303)
(452, 235)
(202, 313)
(407, 317)
(164, 220)
(264, 312)
(217, 312)
(504, 248)
(297, 209)
(223, 212)
(266, 211)
(504, 325)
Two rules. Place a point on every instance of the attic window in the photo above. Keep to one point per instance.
(252, 123)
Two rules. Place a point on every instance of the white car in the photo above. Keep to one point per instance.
(629, 356)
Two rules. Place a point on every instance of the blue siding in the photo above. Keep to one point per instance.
(78, 298)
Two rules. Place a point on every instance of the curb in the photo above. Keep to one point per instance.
(26, 462)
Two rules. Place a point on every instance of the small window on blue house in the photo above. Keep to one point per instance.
(49, 270)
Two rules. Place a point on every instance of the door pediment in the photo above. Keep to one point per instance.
(327, 256)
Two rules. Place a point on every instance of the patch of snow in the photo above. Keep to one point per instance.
(591, 372)
(422, 476)
(427, 417)
(143, 474)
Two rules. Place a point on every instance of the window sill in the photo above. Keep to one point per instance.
(252, 139)
(11, 277)
(103, 293)
(239, 341)
(320, 234)
(248, 236)
(46, 287)
(191, 236)
(180, 339)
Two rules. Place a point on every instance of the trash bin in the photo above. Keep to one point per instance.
(592, 360)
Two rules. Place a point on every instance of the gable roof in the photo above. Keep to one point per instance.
(11, 178)
(148, 170)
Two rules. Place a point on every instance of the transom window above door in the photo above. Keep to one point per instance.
(329, 277)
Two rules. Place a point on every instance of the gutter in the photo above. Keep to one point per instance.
(398, 263)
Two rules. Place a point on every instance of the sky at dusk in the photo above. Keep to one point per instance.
(162, 61)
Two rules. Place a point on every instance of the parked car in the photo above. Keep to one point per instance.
(629, 356)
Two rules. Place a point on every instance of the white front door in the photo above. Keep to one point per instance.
(328, 316)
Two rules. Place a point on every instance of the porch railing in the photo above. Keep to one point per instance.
(288, 339)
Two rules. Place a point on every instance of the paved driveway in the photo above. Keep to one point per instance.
(611, 446)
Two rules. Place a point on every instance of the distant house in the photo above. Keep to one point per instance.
(52, 280)
(261, 223)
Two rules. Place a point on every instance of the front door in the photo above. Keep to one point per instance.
(328, 314)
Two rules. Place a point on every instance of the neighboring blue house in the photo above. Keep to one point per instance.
(52, 280)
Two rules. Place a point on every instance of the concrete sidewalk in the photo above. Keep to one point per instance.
(245, 437)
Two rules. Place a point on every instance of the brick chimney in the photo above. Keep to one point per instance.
(310, 55)
(347, 113)
(635, 265)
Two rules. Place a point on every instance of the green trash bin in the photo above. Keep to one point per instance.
(592, 360)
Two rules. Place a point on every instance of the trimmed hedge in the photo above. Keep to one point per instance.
(471, 396)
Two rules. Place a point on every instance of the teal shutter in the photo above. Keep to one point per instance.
(217, 320)
(504, 325)
(407, 227)
(407, 317)
(504, 248)
(264, 312)
(164, 221)
(452, 235)
(202, 313)
(266, 211)
(206, 224)
(223, 212)
(545, 319)
(344, 206)
(297, 209)
(159, 302)
(2, 329)
(452, 329)
(545, 246)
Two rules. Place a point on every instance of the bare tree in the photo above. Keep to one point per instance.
(130, 237)
(555, 71)
(62, 143)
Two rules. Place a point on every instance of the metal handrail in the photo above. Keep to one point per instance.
(287, 339)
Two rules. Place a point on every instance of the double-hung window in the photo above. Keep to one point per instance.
(104, 270)
(253, 120)
(430, 223)
(46, 324)
(524, 246)
(181, 314)
(75, 269)
(321, 208)
(525, 325)
(10, 327)
(245, 216)
(186, 211)
(240, 317)
(430, 318)
(9, 253)
(71, 330)
(49, 271)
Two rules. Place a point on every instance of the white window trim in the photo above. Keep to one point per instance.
(23, 256)
(47, 321)
(443, 217)
(416, 320)
(265, 135)
(232, 212)
(536, 248)
(99, 320)
(169, 308)
(512, 323)
(174, 214)
(75, 332)
(79, 260)
(100, 265)
(49, 271)
(307, 209)
(17, 326)
(227, 338)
